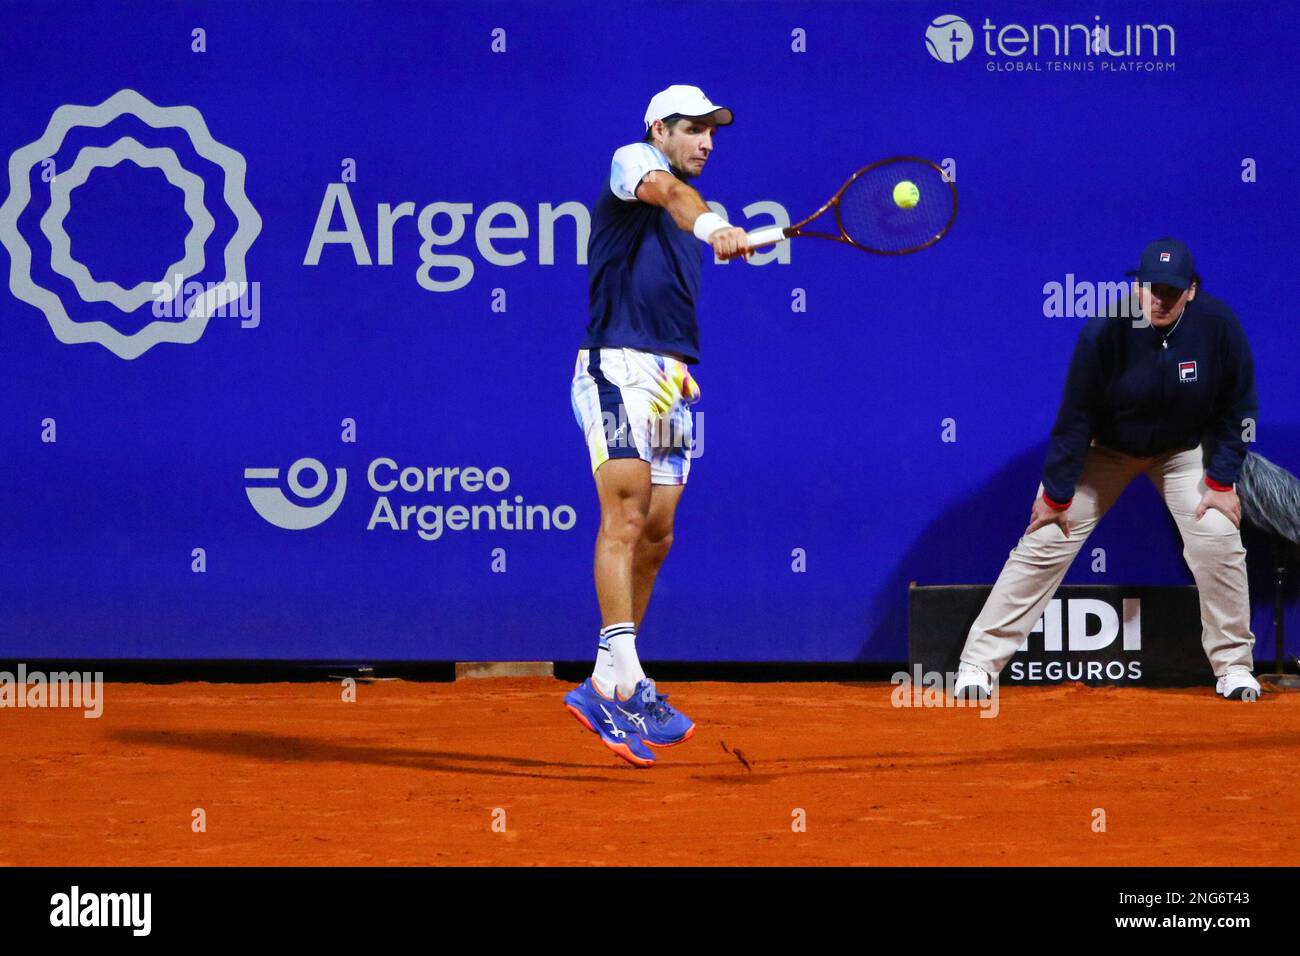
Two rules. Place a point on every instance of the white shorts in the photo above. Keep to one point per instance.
(634, 404)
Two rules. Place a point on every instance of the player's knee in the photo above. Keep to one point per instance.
(1041, 552)
(1213, 529)
(625, 525)
(1213, 549)
(657, 542)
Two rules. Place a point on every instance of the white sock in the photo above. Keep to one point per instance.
(604, 676)
(622, 645)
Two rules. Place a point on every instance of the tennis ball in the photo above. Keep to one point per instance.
(906, 195)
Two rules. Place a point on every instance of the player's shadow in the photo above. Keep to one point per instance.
(289, 749)
(985, 525)
(910, 762)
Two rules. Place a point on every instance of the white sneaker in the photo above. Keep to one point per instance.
(973, 683)
(1238, 685)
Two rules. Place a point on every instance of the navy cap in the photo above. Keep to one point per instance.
(1166, 262)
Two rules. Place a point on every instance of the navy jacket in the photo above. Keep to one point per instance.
(1146, 391)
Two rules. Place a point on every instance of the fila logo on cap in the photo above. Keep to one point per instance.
(1186, 371)
(1164, 257)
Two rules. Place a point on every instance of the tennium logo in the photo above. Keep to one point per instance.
(949, 38)
(202, 308)
(1056, 47)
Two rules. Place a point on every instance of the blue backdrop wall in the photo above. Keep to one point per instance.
(127, 527)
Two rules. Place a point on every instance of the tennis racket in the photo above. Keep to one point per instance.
(868, 218)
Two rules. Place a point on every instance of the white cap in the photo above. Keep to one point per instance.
(685, 101)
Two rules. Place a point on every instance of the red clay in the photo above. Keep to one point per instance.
(412, 774)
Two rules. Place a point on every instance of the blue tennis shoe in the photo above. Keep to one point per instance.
(649, 712)
(606, 719)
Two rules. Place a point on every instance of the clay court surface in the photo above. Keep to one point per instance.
(411, 773)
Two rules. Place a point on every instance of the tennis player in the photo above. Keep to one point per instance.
(1171, 396)
(632, 391)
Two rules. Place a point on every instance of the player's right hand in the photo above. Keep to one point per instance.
(730, 242)
(1044, 514)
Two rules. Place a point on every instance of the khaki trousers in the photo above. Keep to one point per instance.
(1211, 546)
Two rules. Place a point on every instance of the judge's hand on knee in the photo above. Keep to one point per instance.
(1044, 514)
(1226, 502)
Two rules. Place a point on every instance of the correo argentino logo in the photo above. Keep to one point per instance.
(126, 103)
(274, 505)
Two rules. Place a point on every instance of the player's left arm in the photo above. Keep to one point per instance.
(1076, 420)
(692, 214)
(640, 173)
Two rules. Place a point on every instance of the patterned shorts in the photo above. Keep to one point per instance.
(634, 404)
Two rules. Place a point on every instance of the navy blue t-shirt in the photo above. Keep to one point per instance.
(644, 270)
(1147, 391)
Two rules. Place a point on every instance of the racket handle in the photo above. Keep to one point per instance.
(765, 236)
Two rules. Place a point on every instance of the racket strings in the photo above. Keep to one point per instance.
(871, 217)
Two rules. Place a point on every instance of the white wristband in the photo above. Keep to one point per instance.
(707, 223)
